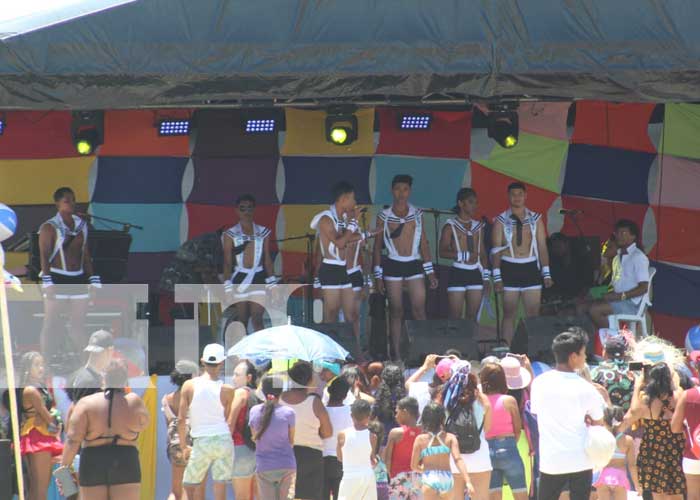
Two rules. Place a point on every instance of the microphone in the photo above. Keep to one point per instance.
(570, 211)
(83, 215)
(363, 210)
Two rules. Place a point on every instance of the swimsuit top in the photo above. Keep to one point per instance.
(617, 454)
(29, 414)
(241, 241)
(440, 449)
(388, 216)
(109, 394)
(65, 235)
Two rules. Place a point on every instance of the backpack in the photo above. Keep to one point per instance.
(247, 433)
(462, 423)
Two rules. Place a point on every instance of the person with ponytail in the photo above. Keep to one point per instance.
(612, 482)
(273, 431)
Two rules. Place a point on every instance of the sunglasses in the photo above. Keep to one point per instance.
(246, 208)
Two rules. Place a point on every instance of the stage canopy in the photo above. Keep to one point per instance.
(123, 54)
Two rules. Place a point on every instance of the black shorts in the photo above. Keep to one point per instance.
(519, 277)
(258, 280)
(461, 280)
(397, 270)
(357, 280)
(309, 481)
(109, 465)
(72, 286)
(333, 276)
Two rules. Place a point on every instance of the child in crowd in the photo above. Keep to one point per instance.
(612, 483)
(355, 451)
(339, 414)
(404, 483)
(380, 470)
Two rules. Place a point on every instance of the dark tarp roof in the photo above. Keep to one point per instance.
(181, 52)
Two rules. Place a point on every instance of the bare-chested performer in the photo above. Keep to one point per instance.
(520, 258)
(462, 240)
(65, 260)
(408, 259)
(249, 244)
(337, 228)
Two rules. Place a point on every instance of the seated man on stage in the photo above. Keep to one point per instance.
(249, 244)
(462, 240)
(337, 229)
(520, 258)
(65, 260)
(408, 261)
(630, 276)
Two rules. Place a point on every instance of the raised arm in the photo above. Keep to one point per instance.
(416, 376)
(329, 234)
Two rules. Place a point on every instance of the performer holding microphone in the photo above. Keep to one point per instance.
(462, 239)
(408, 261)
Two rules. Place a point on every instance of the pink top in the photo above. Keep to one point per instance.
(501, 421)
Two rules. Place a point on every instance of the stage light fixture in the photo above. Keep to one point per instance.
(503, 128)
(172, 127)
(260, 125)
(87, 130)
(341, 129)
(415, 121)
(86, 142)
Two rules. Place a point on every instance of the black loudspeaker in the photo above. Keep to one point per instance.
(534, 335)
(435, 336)
(378, 327)
(340, 332)
(7, 469)
(109, 250)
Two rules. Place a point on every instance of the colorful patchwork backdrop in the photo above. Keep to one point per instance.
(613, 164)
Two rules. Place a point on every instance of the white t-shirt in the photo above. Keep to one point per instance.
(340, 419)
(633, 269)
(561, 401)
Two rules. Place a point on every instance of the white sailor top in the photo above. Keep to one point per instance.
(474, 230)
(63, 232)
(331, 254)
(388, 216)
(510, 227)
(260, 233)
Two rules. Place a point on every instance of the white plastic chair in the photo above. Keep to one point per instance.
(637, 321)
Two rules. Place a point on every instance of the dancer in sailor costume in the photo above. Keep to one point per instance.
(252, 272)
(408, 260)
(65, 261)
(520, 258)
(336, 230)
(462, 240)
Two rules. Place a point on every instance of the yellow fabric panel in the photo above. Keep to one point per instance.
(524, 449)
(306, 134)
(147, 442)
(33, 182)
(294, 220)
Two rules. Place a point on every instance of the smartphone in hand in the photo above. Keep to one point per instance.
(66, 481)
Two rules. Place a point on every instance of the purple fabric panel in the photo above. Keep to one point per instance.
(218, 181)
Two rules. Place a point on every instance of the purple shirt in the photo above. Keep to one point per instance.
(273, 450)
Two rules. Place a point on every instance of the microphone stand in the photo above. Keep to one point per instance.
(126, 226)
(436, 214)
(308, 290)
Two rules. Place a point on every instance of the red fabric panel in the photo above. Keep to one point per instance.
(678, 232)
(492, 188)
(621, 126)
(599, 216)
(672, 328)
(209, 218)
(37, 134)
(134, 133)
(449, 135)
(293, 266)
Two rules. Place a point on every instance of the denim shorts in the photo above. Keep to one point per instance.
(624, 307)
(506, 463)
(244, 462)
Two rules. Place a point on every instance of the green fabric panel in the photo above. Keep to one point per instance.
(681, 131)
(536, 160)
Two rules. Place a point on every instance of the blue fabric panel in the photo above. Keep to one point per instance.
(139, 180)
(161, 223)
(607, 173)
(676, 290)
(309, 180)
(435, 181)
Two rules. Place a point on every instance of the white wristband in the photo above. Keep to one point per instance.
(496, 273)
(352, 226)
(378, 272)
(271, 281)
(46, 281)
(95, 281)
(428, 267)
(317, 282)
(545, 272)
(485, 274)
(228, 286)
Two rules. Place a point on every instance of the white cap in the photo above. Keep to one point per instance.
(213, 354)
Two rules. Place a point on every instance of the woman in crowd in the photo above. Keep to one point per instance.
(312, 427)
(359, 387)
(461, 394)
(170, 405)
(686, 419)
(661, 450)
(245, 380)
(273, 431)
(390, 390)
(107, 424)
(503, 435)
(339, 415)
(431, 456)
(612, 483)
(40, 426)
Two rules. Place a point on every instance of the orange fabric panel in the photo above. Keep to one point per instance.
(617, 125)
(134, 133)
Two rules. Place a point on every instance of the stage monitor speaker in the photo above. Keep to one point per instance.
(7, 469)
(109, 250)
(534, 335)
(435, 336)
(340, 332)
